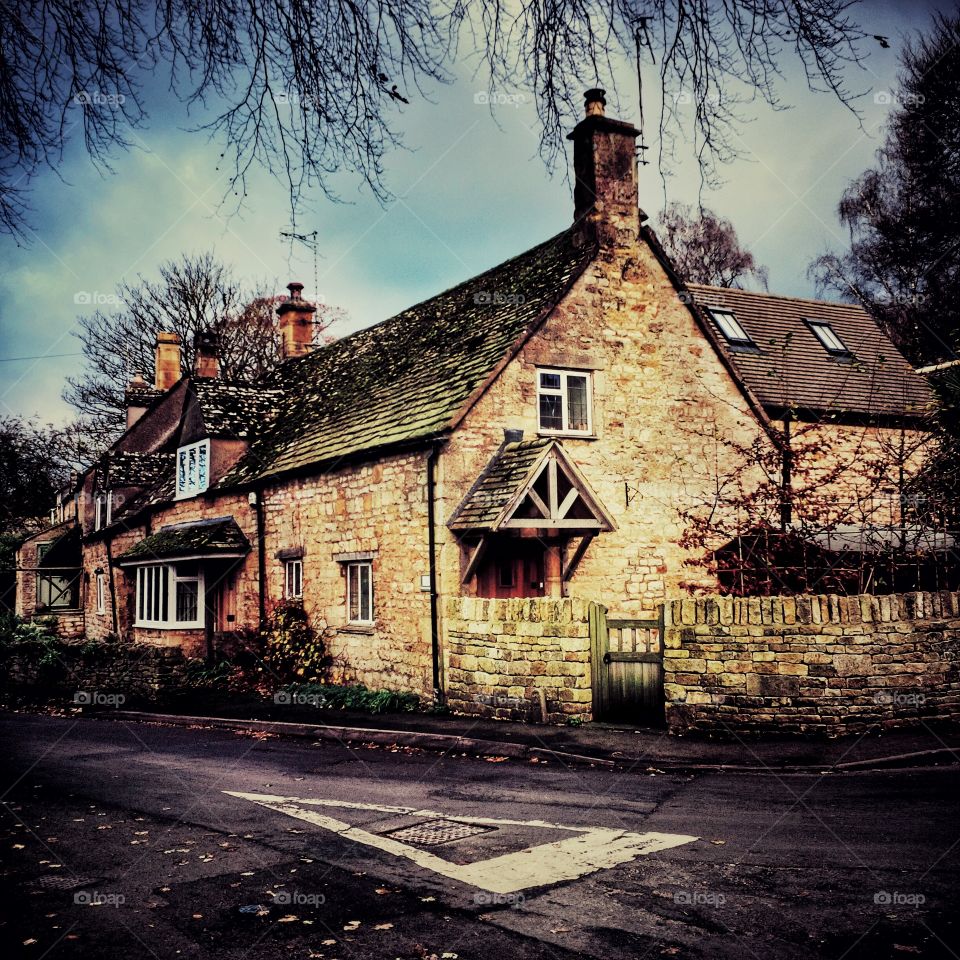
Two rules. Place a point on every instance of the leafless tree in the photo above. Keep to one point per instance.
(307, 88)
(193, 294)
(704, 248)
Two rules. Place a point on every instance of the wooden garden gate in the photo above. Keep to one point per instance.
(627, 668)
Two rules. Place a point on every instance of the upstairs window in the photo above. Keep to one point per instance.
(732, 329)
(829, 340)
(564, 401)
(293, 579)
(102, 508)
(101, 593)
(193, 469)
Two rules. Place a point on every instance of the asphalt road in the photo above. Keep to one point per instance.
(132, 840)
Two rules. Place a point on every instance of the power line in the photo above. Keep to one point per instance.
(42, 356)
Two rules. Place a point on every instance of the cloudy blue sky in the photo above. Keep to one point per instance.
(470, 191)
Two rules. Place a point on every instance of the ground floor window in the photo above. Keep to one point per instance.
(169, 595)
(293, 579)
(58, 591)
(360, 593)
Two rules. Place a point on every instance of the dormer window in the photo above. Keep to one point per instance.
(829, 340)
(732, 329)
(193, 469)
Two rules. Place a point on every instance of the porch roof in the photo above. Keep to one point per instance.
(202, 539)
(507, 484)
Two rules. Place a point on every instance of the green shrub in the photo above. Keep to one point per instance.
(292, 649)
(352, 697)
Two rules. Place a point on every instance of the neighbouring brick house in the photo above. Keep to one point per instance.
(532, 432)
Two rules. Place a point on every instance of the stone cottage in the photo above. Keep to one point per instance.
(539, 430)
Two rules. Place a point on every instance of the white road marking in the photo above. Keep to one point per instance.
(594, 848)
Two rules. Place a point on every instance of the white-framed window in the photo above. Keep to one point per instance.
(293, 579)
(101, 593)
(731, 328)
(193, 469)
(102, 509)
(360, 593)
(564, 401)
(170, 596)
(828, 339)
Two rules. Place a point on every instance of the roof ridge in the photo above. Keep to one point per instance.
(777, 296)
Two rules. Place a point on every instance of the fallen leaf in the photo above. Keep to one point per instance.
(718, 843)
(288, 918)
(383, 926)
(327, 943)
(29, 942)
(198, 916)
(495, 759)
(352, 925)
(18, 846)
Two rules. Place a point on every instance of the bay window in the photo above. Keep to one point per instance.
(170, 596)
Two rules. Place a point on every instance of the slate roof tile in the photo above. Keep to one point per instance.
(793, 371)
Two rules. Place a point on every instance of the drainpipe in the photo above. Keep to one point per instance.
(786, 477)
(255, 500)
(432, 547)
(113, 588)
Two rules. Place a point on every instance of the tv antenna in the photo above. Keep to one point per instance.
(641, 38)
(311, 242)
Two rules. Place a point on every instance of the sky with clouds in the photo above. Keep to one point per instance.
(469, 191)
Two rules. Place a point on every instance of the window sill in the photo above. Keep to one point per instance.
(562, 434)
(168, 626)
(365, 628)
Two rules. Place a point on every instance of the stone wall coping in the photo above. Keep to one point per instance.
(812, 609)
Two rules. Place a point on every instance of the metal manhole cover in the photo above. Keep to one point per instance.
(432, 833)
(57, 882)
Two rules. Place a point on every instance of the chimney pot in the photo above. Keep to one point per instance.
(594, 101)
(296, 323)
(167, 366)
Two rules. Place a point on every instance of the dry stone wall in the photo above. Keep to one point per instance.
(811, 664)
(521, 659)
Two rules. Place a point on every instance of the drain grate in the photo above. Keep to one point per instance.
(57, 882)
(431, 833)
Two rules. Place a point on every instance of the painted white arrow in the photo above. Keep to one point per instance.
(592, 849)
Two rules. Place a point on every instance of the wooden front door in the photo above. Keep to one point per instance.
(512, 567)
(627, 660)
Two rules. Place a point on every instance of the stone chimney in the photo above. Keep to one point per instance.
(167, 367)
(137, 397)
(296, 323)
(206, 354)
(605, 167)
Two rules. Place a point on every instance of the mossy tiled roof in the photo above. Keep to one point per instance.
(405, 379)
(205, 537)
(128, 468)
(235, 411)
(498, 484)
